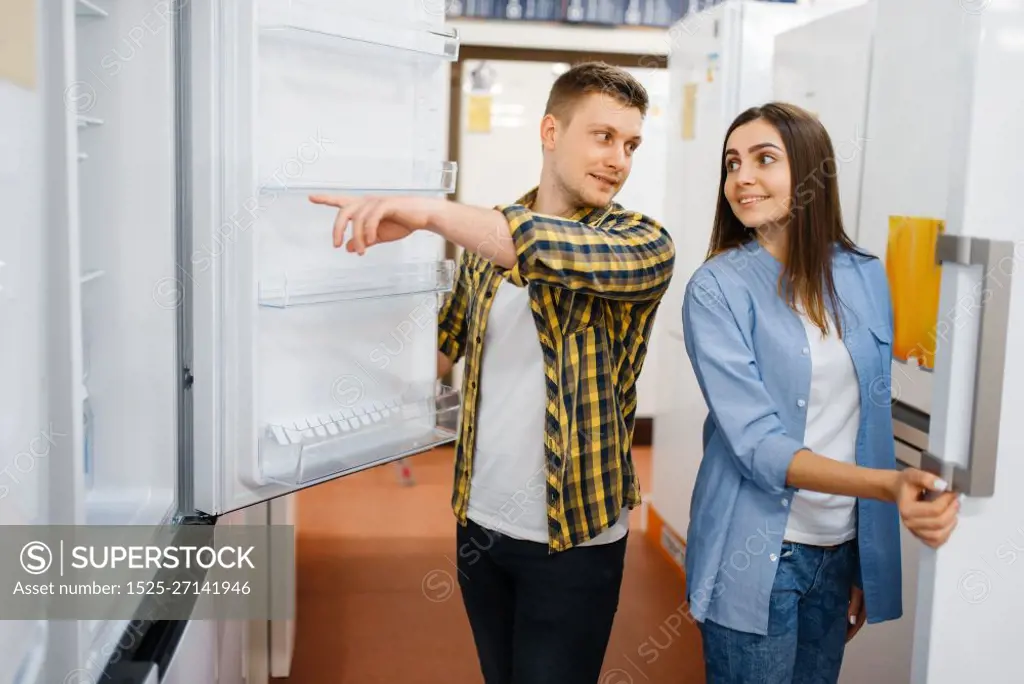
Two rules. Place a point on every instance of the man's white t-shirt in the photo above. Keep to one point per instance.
(509, 484)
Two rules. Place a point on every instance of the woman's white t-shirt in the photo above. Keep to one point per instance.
(833, 418)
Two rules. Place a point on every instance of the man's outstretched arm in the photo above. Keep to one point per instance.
(484, 232)
(630, 256)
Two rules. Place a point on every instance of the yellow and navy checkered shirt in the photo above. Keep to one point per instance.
(595, 281)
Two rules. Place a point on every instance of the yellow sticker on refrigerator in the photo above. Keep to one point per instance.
(914, 281)
(689, 110)
(479, 113)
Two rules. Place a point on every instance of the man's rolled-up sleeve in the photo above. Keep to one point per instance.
(629, 257)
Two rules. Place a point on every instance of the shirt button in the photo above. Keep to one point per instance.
(785, 502)
(801, 403)
(773, 557)
(805, 351)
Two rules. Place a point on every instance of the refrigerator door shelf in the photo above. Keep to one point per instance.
(348, 440)
(386, 280)
(371, 175)
(351, 33)
(362, 369)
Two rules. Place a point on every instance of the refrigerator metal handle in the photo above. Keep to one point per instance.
(996, 259)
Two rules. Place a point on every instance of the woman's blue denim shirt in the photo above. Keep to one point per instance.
(750, 354)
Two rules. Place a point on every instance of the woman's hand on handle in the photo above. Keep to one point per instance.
(931, 520)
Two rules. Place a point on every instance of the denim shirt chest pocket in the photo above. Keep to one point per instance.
(868, 339)
(870, 347)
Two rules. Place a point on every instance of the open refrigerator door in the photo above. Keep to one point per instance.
(309, 363)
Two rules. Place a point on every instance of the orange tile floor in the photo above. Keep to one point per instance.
(378, 601)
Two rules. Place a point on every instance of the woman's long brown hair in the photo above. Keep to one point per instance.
(815, 228)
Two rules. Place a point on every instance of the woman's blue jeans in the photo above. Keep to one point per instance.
(806, 624)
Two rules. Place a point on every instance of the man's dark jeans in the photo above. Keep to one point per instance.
(538, 618)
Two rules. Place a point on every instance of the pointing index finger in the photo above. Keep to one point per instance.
(331, 200)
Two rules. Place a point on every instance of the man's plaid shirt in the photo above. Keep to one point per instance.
(595, 280)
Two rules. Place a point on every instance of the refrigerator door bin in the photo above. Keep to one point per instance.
(351, 439)
(342, 372)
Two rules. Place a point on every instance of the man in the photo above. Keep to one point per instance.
(552, 310)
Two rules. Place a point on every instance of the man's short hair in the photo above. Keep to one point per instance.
(594, 77)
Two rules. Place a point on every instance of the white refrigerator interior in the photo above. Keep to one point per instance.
(121, 105)
(721, 63)
(26, 433)
(110, 186)
(310, 362)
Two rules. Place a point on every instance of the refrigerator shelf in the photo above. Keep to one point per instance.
(86, 121)
(424, 39)
(375, 176)
(342, 285)
(90, 276)
(356, 438)
(85, 8)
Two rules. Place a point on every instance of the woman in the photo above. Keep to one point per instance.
(794, 529)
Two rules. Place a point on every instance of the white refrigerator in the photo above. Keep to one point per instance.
(943, 108)
(944, 111)
(27, 433)
(936, 110)
(197, 341)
